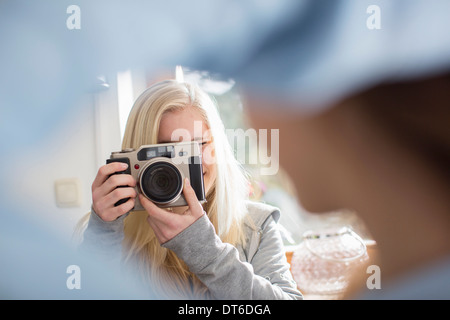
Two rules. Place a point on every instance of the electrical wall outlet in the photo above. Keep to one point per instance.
(68, 192)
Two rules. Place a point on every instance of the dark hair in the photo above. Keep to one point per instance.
(416, 114)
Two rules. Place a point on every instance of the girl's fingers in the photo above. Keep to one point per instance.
(195, 207)
(105, 171)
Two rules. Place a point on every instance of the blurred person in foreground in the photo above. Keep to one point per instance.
(384, 153)
(377, 139)
(315, 61)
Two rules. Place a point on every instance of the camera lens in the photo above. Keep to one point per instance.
(161, 182)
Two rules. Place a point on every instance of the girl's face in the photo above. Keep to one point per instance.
(185, 124)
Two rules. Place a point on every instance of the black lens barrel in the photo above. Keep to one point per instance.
(161, 182)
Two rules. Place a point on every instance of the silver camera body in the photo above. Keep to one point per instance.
(160, 171)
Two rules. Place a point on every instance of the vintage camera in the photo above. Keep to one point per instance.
(160, 171)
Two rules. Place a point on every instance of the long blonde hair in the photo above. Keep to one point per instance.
(225, 205)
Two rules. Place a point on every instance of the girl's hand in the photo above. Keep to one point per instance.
(167, 225)
(105, 191)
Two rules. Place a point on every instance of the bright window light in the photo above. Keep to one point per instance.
(125, 98)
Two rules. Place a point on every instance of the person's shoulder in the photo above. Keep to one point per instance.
(259, 212)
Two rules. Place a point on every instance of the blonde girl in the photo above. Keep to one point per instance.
(227, 248)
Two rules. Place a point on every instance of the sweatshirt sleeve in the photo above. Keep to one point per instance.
(218, 266)
(103, 239)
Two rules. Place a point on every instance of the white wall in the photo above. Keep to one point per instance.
(80, 144)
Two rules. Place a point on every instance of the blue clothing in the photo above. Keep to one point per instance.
(430, 282)
(312, 52)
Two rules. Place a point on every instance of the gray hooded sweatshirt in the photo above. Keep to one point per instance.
(256, 271)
